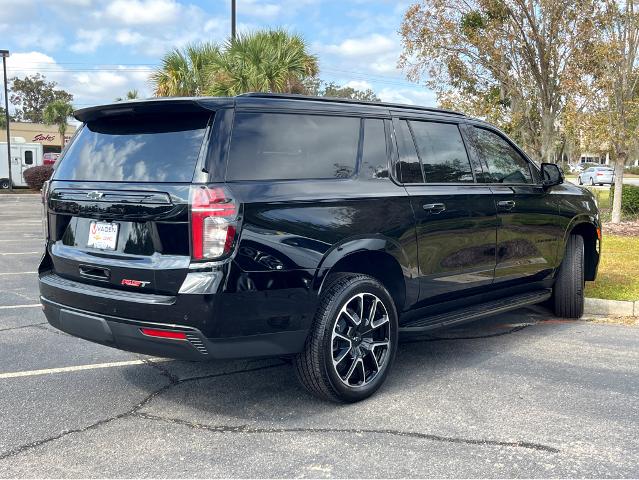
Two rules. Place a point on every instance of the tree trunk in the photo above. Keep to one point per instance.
(547, 136)
(616, 201)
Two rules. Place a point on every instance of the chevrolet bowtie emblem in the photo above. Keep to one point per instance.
(95, 195)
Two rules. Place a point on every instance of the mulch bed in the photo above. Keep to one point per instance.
(627, 229)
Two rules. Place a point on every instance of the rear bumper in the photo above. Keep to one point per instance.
(126, 334)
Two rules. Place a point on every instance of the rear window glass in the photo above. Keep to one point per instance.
(140, 148)
(275, 146)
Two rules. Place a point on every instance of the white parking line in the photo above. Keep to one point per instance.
(19, 253)
(9, 307)
(77, 368)
(16, 273)
(25, 239)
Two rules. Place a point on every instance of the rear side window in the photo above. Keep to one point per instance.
(410, 170)
(281, 146)
(442, 152)
(140, 148)
(504, 163)
(374, 153)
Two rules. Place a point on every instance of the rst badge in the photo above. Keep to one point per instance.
(134, 283)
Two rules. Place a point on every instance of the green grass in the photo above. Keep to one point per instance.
(618, 277)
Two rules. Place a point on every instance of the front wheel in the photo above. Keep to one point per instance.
(568, 291)
(353, 340)
(592, 181)
(580, 182)
(4, 184)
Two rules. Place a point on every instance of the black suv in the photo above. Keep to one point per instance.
(318, 229)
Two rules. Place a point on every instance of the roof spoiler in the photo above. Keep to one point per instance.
(160, 105)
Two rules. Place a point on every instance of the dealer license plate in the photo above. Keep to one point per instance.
(103, 235)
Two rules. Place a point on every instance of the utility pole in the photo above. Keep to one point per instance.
(5, 54)
(233, 19)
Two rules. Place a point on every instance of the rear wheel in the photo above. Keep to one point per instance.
(568, 291)
(353, 341)
(4, 184)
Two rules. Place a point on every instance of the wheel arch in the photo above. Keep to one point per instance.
(591, 234)
(379, 257)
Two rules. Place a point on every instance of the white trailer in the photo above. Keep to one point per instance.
(23, 155)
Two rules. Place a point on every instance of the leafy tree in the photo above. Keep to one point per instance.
(130, 95)
(263, 61)
(615, 61)
(58, 113)
(32, 94)
(334, 90)
(516, 61)
(316, 87)
(185, 72)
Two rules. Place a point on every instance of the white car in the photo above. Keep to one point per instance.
(597, 176)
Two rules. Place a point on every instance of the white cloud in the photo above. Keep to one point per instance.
(34, 35)
(127, 37)
(89, 86)
(142, 12)
(256, 8)
(359, 85)
(374, 44)
(88, 41)
(410, 96)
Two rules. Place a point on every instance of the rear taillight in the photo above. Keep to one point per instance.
(214, 216)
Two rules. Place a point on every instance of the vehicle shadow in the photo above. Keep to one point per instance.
(246, 392)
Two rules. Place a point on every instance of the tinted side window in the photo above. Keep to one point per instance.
(504, 164)
(409, 169)
(276, 146)
(374, 154)
(28, 157)
(442, 152)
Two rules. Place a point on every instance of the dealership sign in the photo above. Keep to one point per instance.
(43, 137)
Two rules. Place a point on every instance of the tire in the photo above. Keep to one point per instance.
(592, 181)
(568, 291)
(4, 184)
(579, 179)
(340, 361)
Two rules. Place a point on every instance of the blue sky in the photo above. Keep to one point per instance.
(98, 50)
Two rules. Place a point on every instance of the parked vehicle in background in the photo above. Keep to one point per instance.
(575, 168)
(597, 176)
(23, 155)
(313, 228)
(50, 158)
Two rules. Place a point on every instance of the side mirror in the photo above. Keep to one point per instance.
(551, 174)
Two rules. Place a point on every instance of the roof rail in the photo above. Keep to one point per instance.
(294, 96)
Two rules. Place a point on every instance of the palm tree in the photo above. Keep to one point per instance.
(184, 72)
(263, 61)
(130, 95)
(57, 113)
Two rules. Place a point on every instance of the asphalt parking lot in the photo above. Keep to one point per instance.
(521, 394)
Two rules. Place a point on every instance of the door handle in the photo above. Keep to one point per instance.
(434, 208)
(506, 204)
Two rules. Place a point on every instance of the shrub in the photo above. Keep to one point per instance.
(632, 170)
(629, 199)
(36, 176)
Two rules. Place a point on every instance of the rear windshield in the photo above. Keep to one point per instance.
(140, 148)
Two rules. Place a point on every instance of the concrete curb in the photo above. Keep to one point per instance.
(598, 306)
